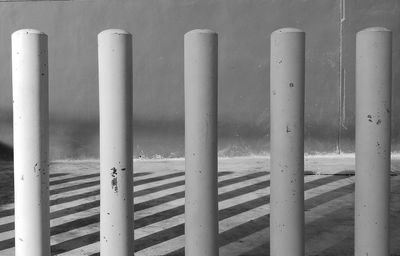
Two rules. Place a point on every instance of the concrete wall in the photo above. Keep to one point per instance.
(358, 15)
(158, 27)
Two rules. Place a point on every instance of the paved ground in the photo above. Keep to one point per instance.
(159, 199)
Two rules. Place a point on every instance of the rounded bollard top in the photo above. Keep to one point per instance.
(113, 31)
(201, 31)
(28, 31)
(288, 30)
(374, 29)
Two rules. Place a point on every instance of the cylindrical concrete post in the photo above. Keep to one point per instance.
(201, 86)
(31, 168)
(373, 107)
(116, 163)
(287, 142)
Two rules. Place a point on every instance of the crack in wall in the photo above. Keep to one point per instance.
(342, 78)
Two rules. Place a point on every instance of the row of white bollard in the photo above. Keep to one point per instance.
(116, 166)
(31, 142)
(287, 142)
(287, 86)
(373, 122)
(201, 193)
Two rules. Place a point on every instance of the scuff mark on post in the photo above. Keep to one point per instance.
(114, 181)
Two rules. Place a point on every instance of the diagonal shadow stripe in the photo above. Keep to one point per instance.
(243, 230)
(6, 213)
(243, 190)
(54, 175)
(246, 206)
(10, 212)
(179, 252)
(61, 181)
(72, 244)
(57, 214)
(240, 179)
(96, 192)
(177, 211)
(263, 249)
(87, 176)
(344, 247)
(158, 188)
(8, 243)
(325, 197)
(234, 210)
(93, 219)
(344, 243)
(158, 201)
(159, 216)
(90, 184)
(10, 226)
(167, 186)
(140, 174)
(158, 178)
(7, 191)
(170, 233)
(69, 210)
(74, 224)
(75, 243)
(93, 204)
(178, 230)
(181, 194)
(52, 183)
(260, 223)
(62, 200)
(74, 209)
(343, 217)
(246, 228)
(87, 206)
(159, 237)
(74, 187)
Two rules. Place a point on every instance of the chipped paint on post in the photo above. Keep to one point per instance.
(373, 122)
(114, 180)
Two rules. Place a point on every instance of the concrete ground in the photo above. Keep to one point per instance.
(159, 199)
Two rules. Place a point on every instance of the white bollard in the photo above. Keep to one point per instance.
(31, 145)
(116, 163)
(287, 142)
(201, 195)
(373, 122)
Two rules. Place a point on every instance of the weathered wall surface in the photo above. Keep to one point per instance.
(357, 15)
(158, 27)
